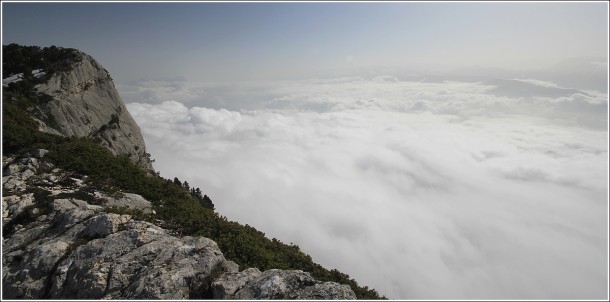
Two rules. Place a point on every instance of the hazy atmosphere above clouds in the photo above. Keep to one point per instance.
(245, 41)
(429, 150)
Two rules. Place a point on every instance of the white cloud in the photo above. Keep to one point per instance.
(157, 91)
(539, 83)
(421, 190)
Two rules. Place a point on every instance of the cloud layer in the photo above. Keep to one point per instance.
(420, 190)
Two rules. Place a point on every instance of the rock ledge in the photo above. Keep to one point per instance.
(60, 247)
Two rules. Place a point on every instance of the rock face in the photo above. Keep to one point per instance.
(251, 284)
(86, 104)
(129, 201)
(57, 246)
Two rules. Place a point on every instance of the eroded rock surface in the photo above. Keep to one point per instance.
(57, 246)
(277, 284)
(86, 104)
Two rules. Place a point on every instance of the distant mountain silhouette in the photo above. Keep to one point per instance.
(517, 88)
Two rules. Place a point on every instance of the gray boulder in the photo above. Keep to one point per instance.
(12, 169)
(105, 224)
(11, 183)
(129, 201)
(277, 284)
(31, 252)
(141, 262)
(228, 284)
(79, 252)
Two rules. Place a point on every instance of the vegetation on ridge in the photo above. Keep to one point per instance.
(25, 59)
(180, 208)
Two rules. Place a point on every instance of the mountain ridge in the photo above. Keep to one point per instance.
(80, 100)
(72, 194)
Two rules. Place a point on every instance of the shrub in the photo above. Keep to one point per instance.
(185, 210)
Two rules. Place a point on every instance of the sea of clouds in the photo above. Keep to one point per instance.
(421, 190)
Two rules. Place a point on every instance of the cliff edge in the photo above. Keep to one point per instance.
(80, 99)
(80, 222)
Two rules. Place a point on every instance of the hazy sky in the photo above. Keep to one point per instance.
(241, 41)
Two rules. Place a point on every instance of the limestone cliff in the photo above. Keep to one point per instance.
(85, 103)
(58, 246)
(73, 227)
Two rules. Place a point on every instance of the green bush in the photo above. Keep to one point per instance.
(181, 211)
(185, 210)
(23, 59)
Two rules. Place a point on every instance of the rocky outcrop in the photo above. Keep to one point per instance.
(85, 103)
(128, 201)
(251, 284)
(58, 246)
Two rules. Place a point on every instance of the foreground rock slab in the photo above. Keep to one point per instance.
(61, 247)
(277, 284)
